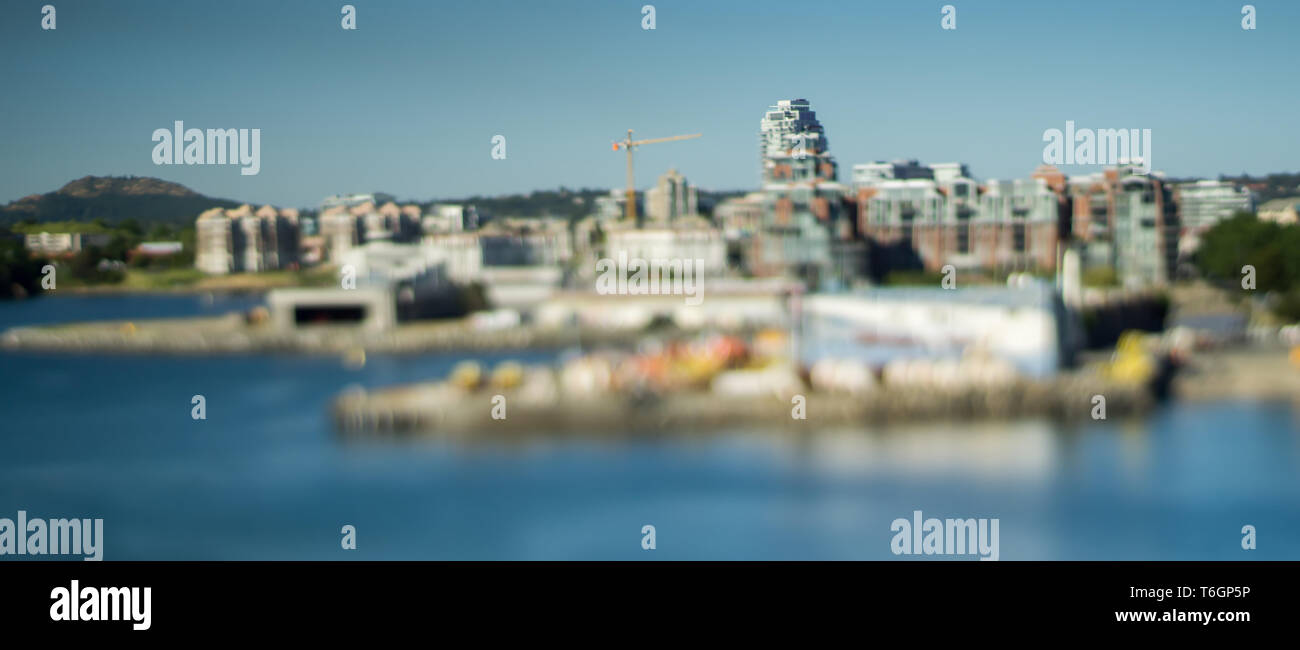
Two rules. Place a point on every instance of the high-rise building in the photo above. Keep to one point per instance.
(672, 198)
(241, 239)
(806, 232)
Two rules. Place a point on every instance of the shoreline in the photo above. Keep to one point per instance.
(232, 334)
(117, 290)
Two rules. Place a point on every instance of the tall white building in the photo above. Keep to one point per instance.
(804, 224)
(240, 239)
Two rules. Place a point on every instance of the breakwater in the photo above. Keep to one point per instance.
(443, 410)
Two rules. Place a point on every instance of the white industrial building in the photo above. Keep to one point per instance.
(1026, 326)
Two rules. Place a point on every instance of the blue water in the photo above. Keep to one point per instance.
(265, 476)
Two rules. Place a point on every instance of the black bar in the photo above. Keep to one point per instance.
(355, 597)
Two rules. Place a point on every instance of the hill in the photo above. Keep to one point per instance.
(113, 199)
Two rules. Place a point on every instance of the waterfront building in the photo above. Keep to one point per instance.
(1020, 224)
(1025, 325)
(943, 216)
(392, 283)
(935, 215)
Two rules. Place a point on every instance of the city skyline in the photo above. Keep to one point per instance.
(409, 103)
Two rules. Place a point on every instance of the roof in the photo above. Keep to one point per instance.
(1037, 295)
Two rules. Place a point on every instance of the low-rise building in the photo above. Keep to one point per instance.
(526, 242)
(63, 243)
(694, 239)
(1283, 210)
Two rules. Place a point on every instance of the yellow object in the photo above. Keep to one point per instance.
(507, 375)
(466, 374)
(1131, 362)
(1295, 356)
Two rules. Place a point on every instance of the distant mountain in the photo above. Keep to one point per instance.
(113, 199)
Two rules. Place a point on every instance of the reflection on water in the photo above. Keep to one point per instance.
(266, 477)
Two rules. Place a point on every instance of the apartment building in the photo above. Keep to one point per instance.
(243, 240)
(1201, 204)
(945, 217)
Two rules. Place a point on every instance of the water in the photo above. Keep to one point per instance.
(267, 477)
(64, 309)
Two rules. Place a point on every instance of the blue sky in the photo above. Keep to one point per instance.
(408, 103)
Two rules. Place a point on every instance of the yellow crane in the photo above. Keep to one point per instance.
(628, 144)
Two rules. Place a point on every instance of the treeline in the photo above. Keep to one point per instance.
(1276, 186)
(561, 203)
(1271, 249)
(20, 272)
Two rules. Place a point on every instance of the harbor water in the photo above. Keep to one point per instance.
(266, 477)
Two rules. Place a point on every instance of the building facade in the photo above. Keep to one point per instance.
(670, 199)
(1201, 204)
(243, 240)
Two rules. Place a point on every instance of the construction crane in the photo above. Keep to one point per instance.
(628, 144)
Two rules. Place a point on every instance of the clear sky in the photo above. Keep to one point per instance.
(408, 103)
